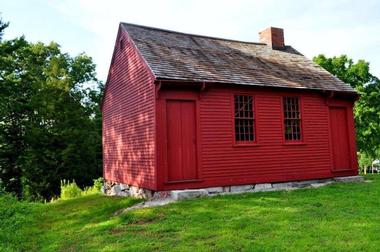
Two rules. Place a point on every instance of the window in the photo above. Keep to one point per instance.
(121, 44)
(292, 119)
(244, 118)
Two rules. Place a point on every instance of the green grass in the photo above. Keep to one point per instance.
(338, 217)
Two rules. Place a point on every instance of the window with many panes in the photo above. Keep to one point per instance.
(244, 118)
(292, 119)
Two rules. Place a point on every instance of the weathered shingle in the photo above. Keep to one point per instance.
(180, 56)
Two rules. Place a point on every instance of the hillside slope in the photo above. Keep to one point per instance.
(336, 217)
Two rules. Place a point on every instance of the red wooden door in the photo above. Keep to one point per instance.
(181, 140)
(339, 138)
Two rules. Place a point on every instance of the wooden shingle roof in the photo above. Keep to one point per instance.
(179, 56)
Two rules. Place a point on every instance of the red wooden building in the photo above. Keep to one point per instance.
(188, 111)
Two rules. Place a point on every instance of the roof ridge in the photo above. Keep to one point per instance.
(190, 34)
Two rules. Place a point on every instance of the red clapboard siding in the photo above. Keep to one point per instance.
(271, 159)
(129, 118)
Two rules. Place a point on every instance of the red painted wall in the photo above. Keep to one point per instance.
(129, 118)
(221, 162)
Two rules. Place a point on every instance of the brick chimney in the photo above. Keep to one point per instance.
(273, 37)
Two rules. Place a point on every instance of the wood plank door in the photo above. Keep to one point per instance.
(181, 140)
(340, 139)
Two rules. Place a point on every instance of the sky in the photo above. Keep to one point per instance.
(331, 27)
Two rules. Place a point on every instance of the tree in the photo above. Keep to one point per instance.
(367, 108)
(50, 126)
(3, 25)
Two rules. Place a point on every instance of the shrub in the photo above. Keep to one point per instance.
(98, 184)
(70, 190)
(95, 188)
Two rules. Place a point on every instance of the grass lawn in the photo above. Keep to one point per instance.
(338, 217)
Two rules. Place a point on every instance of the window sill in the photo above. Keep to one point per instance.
(294, 143)
(245, 145)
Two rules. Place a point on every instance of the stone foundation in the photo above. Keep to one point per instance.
(118, 189)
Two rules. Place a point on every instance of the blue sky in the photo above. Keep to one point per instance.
(332, 27)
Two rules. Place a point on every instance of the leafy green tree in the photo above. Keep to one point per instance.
(356, 74)
(50, 124)
(367, 108)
